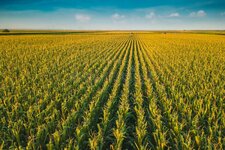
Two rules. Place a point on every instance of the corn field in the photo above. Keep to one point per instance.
(112, 91)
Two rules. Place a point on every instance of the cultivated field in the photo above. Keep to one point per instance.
(112, 90)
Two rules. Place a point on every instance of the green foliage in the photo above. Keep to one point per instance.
(112, 91)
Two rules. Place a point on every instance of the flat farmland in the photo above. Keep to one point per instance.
(111, 90)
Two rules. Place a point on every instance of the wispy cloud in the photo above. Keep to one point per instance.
(174, 15)
(118, 16)
(154, 18)
(82, 17)
(150, 15)
(200, 13)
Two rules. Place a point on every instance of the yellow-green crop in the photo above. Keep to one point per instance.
(112, 91)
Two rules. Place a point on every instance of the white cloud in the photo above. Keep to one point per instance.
(82, 18)
(174, 15)
(150, 15)
(200, 13)
(117, 16)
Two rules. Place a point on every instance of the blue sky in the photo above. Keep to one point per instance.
(113, 14)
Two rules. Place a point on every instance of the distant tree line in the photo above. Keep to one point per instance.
(5, 30)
